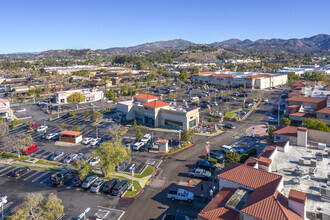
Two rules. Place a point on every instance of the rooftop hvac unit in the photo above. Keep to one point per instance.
(325, 192)
(321, 213)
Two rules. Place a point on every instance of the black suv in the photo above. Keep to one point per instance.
(19, 171)
(120, 188)
(62, 177)
(108, 186)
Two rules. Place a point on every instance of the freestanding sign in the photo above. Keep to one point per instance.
(132, 179)
(207, 149)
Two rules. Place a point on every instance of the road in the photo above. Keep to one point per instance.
(152, 203)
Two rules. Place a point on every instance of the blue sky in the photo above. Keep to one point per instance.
(38, 25)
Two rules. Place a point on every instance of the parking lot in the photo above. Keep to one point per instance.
(16, 188)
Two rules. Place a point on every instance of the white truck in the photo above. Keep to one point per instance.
(180, 194)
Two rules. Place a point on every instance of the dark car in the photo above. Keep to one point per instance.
(204, 105)
(218, 156)
(108, 186)
(56, 137)
(43, 136)
(67, 115)
(204, 164)
(120, 188)
(19, 171)
(230, 126)
(175, 217)
(62, 177)
(76, 181)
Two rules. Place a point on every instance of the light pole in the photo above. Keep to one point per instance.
(58, 111)
(3, 200)
(208, 149)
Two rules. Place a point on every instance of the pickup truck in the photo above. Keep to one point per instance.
(180, 194)
(200, 173)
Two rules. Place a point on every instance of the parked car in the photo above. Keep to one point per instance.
(19, 171)
(44, 135)
(180, 194)
(21, 110)
(226, 148)
(95, 141)
(97, 186)
(146, 138)
(70, 158)
(108, 186)
(35, 126)
(56, 137)
(56, 156)
(42, 128)
(87, 141)
(238, 149)
(50, 136)
(175, 217)
(94, 161)
(89, 182)
(199, 173)
(137, 146)
(230, 126)
(30, 149)
(121, 166)
(265, 100)
(76, 181)
(271, 120)
(87, 157)
(218, 156)
(214, 104)
(120, 188)
(62, 177)
(181, 100)
(241, 112)
(204, 164)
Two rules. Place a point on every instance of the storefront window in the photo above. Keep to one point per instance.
(192, 123)
(173, 124)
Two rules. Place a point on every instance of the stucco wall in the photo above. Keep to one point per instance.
(318, 136)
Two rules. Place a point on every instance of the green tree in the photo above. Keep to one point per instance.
(187, 135)
(62, 126)
(183, 76)
(134, 124)
(36, 207)
(138, 134)
(159, 84)
(210, 120)
(76, 128)
(271, 129)
(84, 169)
(1, 119)
(28, 124)
(194, 69)
(111, 154)
(96, 116)
(285, 121)
(202, 119)
(75, 98)
(232, 156)
(86, 113)
(72, 114)
(316, 124)
(171, 96)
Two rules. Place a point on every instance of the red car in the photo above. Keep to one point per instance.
(34, 126)
(30, 149)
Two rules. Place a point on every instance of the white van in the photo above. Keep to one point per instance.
(194, 99)
(226, 148)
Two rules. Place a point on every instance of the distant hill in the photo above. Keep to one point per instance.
(170, 44)
(317, 44)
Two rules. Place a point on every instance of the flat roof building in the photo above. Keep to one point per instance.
(90, 95)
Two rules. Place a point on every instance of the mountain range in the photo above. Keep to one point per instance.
(316, 44)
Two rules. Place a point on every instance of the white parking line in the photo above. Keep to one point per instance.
(6, 171)
(12, 211)
(39, 177)
(6, 206)
(29, 177)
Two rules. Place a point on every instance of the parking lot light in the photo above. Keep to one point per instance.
(3, 200)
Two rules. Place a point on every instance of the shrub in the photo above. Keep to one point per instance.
(247, 154)
(212, 160)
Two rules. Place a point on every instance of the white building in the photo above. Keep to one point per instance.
(5, 111)
(90, 95)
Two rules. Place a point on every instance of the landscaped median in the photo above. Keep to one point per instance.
(184, 145)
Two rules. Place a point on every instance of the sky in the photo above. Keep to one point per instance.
(39, 25)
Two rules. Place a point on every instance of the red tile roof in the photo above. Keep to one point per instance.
(251, 161)
(302, 129)
(71, 133)
(303, 115)
(293, 106)
(247, 176)
(264, 161)
(267, 151)
(325, 110)
(287, 131)
(258, 76)
(145, 96)
(203, 73)
(216, 209)
(161, 141)
(224, 75)
(298, 196)
(156, 104)
(327, 87)
(305, 99)
(296, 93)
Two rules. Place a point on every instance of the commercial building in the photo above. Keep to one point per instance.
(241, 79)
(249, 193)
(5, 111)
(148, 110)
(91, 95)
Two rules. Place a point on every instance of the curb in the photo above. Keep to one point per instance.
(172, 152)
(128, 197)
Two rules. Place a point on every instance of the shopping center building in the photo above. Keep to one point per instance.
(148, 110)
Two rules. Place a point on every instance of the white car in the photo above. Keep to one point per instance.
(70, 158)
(94, 161)
(87, 140)
(51, 135)
(95, 141)
(265, 100)
(42, 128)
(214, 104)
(21, 110)
(146, 138)
(271, 120)
(137, 146)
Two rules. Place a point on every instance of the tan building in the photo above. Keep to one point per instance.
(5, 111)
(148, 110)
(90, 95)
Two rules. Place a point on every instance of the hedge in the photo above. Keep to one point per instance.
(247, 154)
(212, 160)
